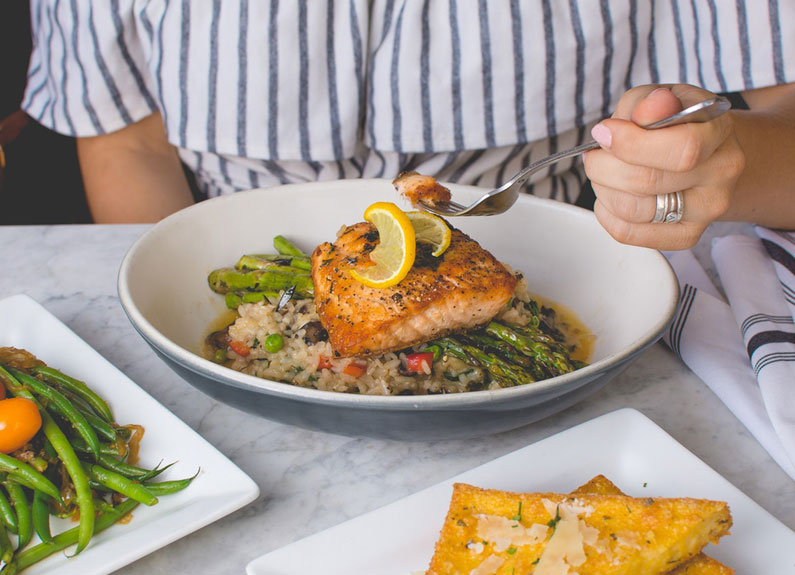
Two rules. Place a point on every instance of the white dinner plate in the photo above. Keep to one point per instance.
(219, 489)
(626, 446)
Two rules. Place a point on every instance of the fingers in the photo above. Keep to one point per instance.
(676, 148)
(678, 236)
(702, 161)
(630, 191)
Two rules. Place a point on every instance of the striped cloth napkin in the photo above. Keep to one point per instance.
(743, 347)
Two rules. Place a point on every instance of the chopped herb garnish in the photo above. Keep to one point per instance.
(518, 516)
(511, 550)
(628, 509)
(554, 522)
(255, 343)
(536, 561)
(644, 484)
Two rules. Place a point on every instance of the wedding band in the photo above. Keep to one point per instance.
(669, 209)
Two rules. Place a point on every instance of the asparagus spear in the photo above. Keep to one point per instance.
(554, 360)
(286, 247)
(224, 280)
(234, 299)
(500, 370)
(263, 261)
(493, 345)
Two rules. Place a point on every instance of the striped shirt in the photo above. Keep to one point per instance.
(255, 93)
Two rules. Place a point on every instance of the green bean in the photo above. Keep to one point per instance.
(101, 427)
(79, 479)
(121, 484)
(154, 472)
(131, 471)
(40, 511)
(6, 550)
(169, 487)
(22, 506)
(106, 449)
(49, 450)
(7, 513)
(65, 407)
(78, 387)
(97, 486)
(287, 248)
(63, 540)
(28, 474)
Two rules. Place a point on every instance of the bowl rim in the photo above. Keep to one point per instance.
(204, 367)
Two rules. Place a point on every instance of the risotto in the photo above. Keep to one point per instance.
(287, 344)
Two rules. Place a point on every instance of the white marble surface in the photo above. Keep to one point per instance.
(310, 481)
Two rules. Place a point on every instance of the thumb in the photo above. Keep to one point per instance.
(657, 105)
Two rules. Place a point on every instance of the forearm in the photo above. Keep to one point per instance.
(133, 175)
(765, 192)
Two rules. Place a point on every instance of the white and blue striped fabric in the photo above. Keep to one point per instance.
(743, 346)
(261, 92)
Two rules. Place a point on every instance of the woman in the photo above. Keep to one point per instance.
(253, 94)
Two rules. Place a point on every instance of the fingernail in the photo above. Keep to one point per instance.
(657, 91)
(602, 134)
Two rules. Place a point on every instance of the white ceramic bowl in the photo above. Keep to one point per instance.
(626, 295)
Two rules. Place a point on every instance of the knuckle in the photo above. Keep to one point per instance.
(646, 180)
(621, 231)
(720, 205)
(687, 239)
(690, 153)
(735, 164)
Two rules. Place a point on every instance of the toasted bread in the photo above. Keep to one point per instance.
(701, 564)
(488, 532)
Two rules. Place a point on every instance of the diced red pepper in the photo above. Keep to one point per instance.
(354, 369)
(415, 361)
(240, 348)
(324, 363)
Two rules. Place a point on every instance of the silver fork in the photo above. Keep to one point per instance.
(499, 200)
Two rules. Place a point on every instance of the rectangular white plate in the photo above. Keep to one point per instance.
(626, 446)
(219, 489)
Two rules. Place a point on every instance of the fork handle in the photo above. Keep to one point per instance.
(704, 111)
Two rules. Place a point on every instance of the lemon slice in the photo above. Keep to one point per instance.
(394, 254)
(430, 229)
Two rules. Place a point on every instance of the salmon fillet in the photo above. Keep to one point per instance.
(418, 188)
(461, 289)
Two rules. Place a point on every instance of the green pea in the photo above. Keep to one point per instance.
(219, 356)
(273, 343)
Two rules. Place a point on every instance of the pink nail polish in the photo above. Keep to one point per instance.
(602, 134)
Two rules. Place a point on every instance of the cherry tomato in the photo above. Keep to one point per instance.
(19, 421)
(415, 361)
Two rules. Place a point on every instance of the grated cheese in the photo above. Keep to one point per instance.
(489, 566)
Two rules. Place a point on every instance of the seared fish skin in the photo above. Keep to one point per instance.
(461, 289)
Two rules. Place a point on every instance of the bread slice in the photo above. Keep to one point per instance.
(492, 532)
(701, 564)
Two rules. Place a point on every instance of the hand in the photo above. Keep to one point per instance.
(702, 161)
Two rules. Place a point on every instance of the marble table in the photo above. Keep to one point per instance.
(310, 481)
